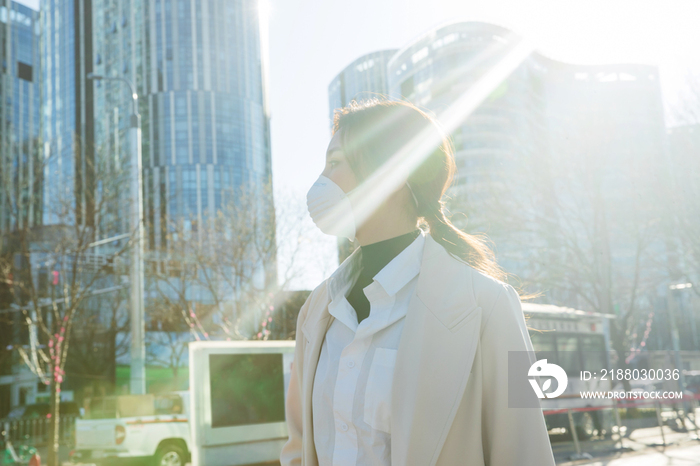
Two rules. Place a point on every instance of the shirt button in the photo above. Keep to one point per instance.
(351, 363)
(343, 427)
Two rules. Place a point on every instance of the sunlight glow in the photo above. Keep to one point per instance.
(389, 177)
(264, 8)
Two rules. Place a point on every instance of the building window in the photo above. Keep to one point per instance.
(24, 71)
(407, 87)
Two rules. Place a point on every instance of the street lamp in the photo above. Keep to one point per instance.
(138, 348)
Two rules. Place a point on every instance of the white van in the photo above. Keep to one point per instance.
(152, 428)
(234, 413)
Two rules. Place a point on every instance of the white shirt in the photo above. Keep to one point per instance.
(351, 400)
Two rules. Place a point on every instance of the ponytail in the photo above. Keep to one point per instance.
(471, 249)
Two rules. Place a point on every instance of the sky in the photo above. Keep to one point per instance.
(311, 41)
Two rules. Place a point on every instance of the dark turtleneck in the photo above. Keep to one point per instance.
(375, 257)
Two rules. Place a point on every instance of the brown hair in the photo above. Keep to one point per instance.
(374, 130)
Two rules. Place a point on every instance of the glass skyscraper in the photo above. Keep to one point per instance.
(534, 113)
(200, 72)
(505, 129)
(20, 111)
(67, 102)
(363, 78)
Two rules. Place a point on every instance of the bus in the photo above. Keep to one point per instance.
(576, 341)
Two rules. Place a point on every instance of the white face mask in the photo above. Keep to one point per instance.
(330, 208)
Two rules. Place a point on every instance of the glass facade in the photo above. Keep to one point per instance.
(20, 117)
(441, 66)
(200, 75)
(362, 78)
(68, 132)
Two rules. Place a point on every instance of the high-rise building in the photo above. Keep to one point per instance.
(364, 78)
(435, 70)
(20, 174)
(684, 184)
(67, 116)
(535, 112)
(199, 69)
(20, 124)
(537, 124)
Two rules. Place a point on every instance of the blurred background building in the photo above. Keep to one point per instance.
(200, 73)
(362, 78)
(20, 170)
(67, 37)
(20, 124)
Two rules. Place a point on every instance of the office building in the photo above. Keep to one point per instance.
(200, 72)
(67, 115)
(20, 111)
(20, 175)
(365, 77)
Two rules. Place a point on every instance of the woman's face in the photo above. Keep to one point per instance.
(337, 168)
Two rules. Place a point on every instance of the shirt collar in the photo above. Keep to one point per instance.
(394, 276)
(402, 268)
(345, 274)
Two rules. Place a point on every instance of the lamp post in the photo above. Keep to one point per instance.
(138, 348)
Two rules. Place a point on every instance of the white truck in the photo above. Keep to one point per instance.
(149, 429)
(232, 415)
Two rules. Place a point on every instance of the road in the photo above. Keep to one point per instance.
(644, 447)
(673, 456)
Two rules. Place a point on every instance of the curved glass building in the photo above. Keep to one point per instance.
(533, 114)
(200, 71)
(363, 78)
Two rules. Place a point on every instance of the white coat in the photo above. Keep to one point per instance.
(450, 386)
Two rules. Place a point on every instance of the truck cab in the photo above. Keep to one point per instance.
(149, 429)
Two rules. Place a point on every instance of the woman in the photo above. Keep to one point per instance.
(402, 353)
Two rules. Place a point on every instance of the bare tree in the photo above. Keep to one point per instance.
(167, 336)
(222, 279)
(584, 222)
(96, 346)
(683, 188)
(64, 254)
